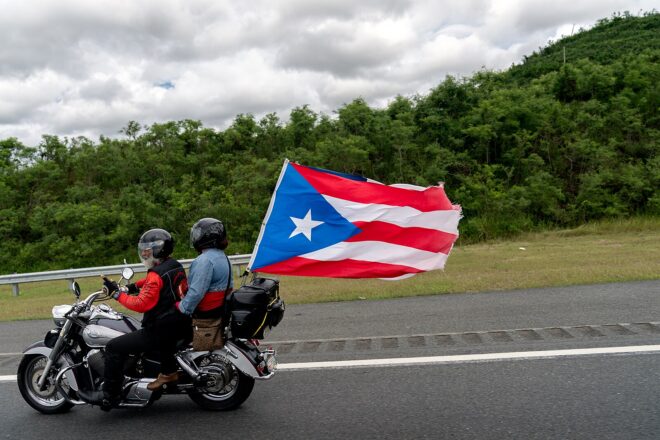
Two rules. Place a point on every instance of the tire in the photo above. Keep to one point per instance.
(226, 394)
(48, 401)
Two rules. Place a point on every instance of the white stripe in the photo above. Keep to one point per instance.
(430, 360)
(409, 186)
(380, 252)
(8, 378)
(406, 185)
(404, 216)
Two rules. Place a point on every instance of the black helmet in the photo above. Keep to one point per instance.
(161, 244)
(208, 233)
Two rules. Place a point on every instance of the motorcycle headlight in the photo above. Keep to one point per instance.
(58, 314)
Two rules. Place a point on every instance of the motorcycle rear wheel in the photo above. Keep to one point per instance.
(228, 389)
(47, 401)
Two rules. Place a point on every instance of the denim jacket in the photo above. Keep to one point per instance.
(208, 272)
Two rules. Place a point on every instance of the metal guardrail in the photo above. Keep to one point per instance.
(71, 274)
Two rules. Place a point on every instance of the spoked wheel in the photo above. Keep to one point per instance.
(49, 400)
(225, 387)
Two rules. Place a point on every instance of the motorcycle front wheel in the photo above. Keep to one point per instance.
(47, 401)
(226, 388)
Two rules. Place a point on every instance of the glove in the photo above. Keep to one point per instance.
(109, 286)
(132, 288)
(116, 293)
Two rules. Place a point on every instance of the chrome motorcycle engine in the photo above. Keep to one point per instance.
(96, 361)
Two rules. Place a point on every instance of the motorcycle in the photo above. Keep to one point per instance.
(70, 358)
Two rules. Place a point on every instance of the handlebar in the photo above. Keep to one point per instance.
(78, 307)
(94, 295)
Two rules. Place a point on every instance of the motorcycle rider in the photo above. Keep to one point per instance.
(162, 325)
(210, 273)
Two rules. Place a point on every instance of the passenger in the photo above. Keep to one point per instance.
(209, 277)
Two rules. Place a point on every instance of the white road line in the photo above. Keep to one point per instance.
(484, 357)
(462, 358)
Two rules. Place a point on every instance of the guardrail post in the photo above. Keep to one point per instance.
(14, 289)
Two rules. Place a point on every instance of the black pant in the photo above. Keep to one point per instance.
(161, 336)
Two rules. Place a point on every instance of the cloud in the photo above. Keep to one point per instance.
(309, 12)
(76, 67)
(103, 88)
(19, 96)
(347, 48)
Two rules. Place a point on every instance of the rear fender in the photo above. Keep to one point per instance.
(237, 356)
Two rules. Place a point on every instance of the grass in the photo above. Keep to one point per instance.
(609, 251)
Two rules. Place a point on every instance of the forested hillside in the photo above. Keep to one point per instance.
(542, 144)
(612, 39)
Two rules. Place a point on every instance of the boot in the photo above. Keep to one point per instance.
(107, 398)
(93, 397)
(101, 398)
(163, 379)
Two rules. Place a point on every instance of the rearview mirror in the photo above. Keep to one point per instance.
(127, 273)
(75, 289)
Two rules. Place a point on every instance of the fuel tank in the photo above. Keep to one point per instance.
(126, 324)
(98, 336)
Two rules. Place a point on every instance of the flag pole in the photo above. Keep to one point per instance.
(265, 220)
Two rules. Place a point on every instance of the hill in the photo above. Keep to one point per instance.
(542, 145)
(610, 40)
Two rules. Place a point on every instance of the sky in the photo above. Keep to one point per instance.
(85, 68)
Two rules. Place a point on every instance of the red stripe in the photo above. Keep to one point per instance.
(430, 199)
(298, 266)
(211, 300)
(419, 238)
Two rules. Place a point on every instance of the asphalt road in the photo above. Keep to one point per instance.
(573, 397)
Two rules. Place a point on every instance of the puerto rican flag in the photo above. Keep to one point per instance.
(327, 224)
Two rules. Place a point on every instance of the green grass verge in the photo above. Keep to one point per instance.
(609, 251)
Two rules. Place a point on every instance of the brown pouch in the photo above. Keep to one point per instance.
(207, 334)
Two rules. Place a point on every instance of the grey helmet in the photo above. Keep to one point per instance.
(161, 244)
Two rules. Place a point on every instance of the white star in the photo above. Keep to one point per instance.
(304, 225)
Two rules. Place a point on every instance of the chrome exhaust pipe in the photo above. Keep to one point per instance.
(62, 391)
(188, 366)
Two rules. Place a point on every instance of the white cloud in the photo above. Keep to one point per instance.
(76, 67)
(347, 48)
(19, 96)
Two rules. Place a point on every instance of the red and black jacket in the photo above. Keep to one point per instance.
(159, 291)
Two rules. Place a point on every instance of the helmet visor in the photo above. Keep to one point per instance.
(195, 235)
(154, 246)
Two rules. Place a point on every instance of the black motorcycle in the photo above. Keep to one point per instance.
(71, 356)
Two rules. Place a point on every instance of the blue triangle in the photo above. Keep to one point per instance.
(294, 198)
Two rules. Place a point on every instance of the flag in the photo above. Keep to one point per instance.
(328, 224)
